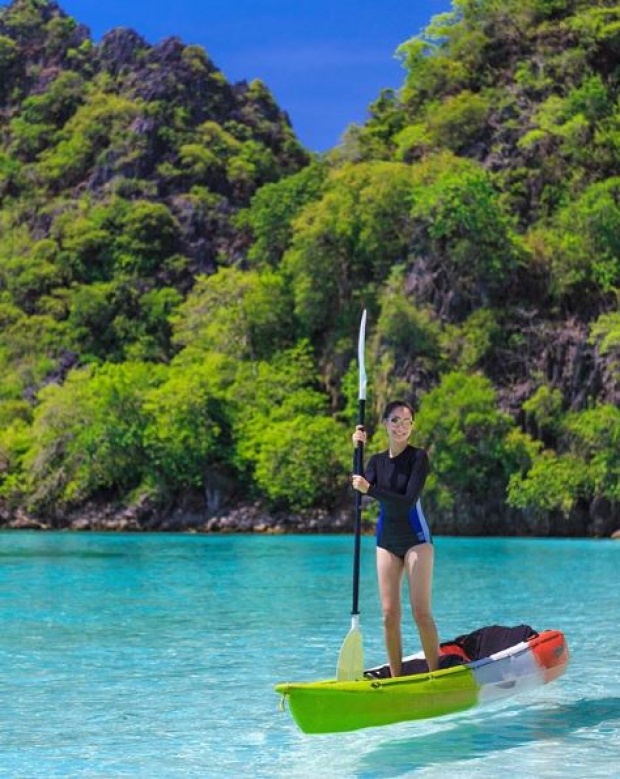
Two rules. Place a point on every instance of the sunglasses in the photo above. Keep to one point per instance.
(406, 421)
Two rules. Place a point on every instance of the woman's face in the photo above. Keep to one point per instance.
(399, 424)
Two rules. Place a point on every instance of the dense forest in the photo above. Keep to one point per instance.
(181, 282)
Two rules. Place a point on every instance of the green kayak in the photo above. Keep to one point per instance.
(332, 706)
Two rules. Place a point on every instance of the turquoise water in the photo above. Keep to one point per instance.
(156, 655)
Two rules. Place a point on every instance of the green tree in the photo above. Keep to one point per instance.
(43, 115)
(553, 483)
(11, 175)
(594, 436)
(87, 435)
(188, 428)
(9, 58)
(472, 344)
(245, 315)
(462, 225)
(468, 436)
(273, 209)
(605, 333)
(87, 233)
(29, 272)
(430, 72)
(584, 245)
(103, 121)
(345, 244)
(31, 346)
(93, 309)
(457, 121)
(285, 438)
(586, 465)
(405, 341)
(544, 414)
(152, 334)
(122, 320)
(148, 235)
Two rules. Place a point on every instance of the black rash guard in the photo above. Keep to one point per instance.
(396, 482)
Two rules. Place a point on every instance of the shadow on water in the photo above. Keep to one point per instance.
(469, 738)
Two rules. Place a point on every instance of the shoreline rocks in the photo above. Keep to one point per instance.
(245, 518)
(248, 518)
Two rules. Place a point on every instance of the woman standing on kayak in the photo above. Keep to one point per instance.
(395, 479)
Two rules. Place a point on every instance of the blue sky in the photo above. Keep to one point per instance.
(324, 61)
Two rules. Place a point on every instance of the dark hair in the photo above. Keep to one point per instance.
(397, 404)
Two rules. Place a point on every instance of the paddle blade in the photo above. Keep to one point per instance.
(351, 657)
(360, 359)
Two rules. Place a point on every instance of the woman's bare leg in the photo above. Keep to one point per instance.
(390, 575)
(419, 566)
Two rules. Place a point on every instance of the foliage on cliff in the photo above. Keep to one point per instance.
(181, 282)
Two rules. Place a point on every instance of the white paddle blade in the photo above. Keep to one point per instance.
(351, 657)
(360, 357)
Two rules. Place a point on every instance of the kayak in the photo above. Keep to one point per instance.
(485, 665)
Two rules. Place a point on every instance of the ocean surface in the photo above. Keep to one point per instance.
(155, 656)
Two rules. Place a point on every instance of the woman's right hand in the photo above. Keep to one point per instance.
(359, 436)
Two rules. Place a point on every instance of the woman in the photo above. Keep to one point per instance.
(404, 545)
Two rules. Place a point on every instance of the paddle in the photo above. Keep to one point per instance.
(351, 657)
